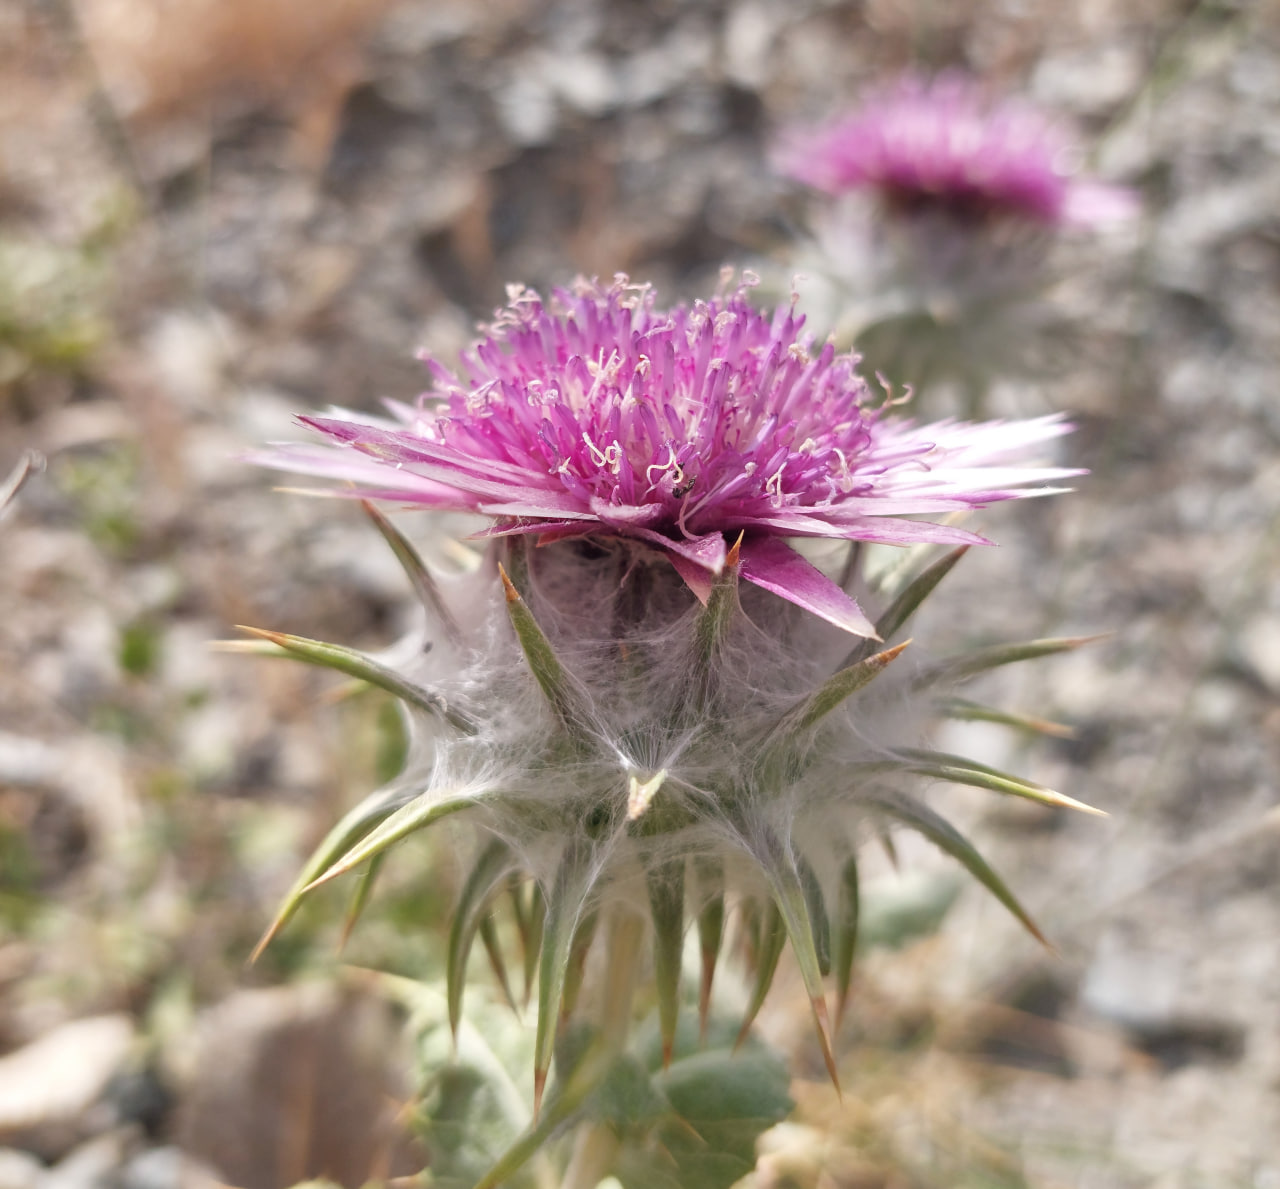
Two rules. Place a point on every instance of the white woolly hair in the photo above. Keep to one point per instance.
(622, 624)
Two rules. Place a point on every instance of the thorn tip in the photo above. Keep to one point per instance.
(539, 1085)
(892, 654)
(823, 1022)
(513, 595)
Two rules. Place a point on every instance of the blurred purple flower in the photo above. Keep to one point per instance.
(598, 413)
(945, 144)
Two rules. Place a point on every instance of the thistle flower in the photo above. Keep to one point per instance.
(643, 708)
(944, 144)
(601, 415)
(944, 206)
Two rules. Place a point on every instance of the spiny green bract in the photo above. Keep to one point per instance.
(610, 736)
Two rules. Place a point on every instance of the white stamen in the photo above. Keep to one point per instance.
(671, 467)
(774, 486)
(610, 457)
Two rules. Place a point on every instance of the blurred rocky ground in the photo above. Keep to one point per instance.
(215, 214)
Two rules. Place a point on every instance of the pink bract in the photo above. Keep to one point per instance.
(944, 143)
(599, 414)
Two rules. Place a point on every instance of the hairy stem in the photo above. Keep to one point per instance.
(626, 931)
(596, 1145)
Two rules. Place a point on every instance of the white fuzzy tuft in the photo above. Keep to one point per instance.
(622, 624)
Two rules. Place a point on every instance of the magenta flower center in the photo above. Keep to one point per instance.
(597, 413)
(676, 418)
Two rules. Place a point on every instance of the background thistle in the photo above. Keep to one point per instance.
(643, 707)
(946, 144)
(941, 207)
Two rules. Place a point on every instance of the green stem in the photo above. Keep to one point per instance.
(596, 1145)
(595, 1148)
(626, 932)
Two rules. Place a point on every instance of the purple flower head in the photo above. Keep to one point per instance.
(597, 413)
(944, 144)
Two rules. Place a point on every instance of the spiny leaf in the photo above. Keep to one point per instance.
(468, 1108)
(519, 909)
(587, 1076)
(720, 1105)
(786, 735)
(772, 939)
(839, 686)
(947, 838)
(482, 880)
(533, 946)
(961, 770)
(852, 568)
(666, 905)
(970, 664)
(709, 632)
(844, 941)
(580, 1089)
(908, 602)
(356, 664)
(788, 895)
(360, 899)
(917, 590)
(543, 662)
(629, 1103)
(816, 905)
(710, 930)
(355, 824)
(564, 911)
(489, 936)
(750, 933)
(424, 586)
(525, 1147)
(424, 810)
(967, 711)
(583, 936)
(887, 844)
(715, 618)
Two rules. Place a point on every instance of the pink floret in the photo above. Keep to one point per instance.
(597, 413)
(943, 143)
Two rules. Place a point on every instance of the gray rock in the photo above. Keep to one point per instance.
(48, 1088)
(166, 1168)
(20, 1170)
(750, 34)
(92, 1165)
(1259, 646)
(526, 105)
(1129, 984)
(585, 81)
(296, 1082)
(1092, 80)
